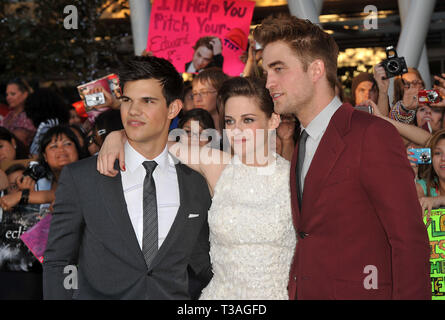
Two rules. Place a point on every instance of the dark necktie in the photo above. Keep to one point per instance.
(300, 160)
(150, 209)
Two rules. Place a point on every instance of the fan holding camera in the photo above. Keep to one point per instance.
(409, 91)
(59, 147)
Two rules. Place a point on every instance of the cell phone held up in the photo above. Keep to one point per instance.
(421, 155)
(429, 96)
(367, 109)
(94, 99)
(109, 83)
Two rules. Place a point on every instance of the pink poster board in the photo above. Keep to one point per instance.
(176, 25)
(37, 237)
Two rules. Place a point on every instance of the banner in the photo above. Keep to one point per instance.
(436, 234)
(176, 25)
(14, 254)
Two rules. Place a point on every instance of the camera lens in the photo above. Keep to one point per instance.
(433, 96)
(393, 66)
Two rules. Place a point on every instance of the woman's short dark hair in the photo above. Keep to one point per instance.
(109, 120)
(21, 152)
(14, 168)
(245, 87)
(204, 42)
(84, 149)
(56, 131)
(150, 67)
(22, 84)
(198, 114)
(46, 104)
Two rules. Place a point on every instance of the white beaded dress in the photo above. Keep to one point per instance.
(252, 238)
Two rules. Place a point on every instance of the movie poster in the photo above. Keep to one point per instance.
(14, 254)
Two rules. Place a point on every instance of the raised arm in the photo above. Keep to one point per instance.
(383, 85)
(112, 149)
(408, 131)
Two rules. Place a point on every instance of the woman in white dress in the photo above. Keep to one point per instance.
(252, 239)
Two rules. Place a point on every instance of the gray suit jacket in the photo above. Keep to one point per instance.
(91, 229)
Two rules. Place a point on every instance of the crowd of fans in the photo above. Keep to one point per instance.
(40, 134)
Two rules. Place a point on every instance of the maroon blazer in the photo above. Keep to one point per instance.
(359, 208)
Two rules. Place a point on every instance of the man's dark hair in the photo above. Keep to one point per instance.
(14, 168)
(204, 42)
(150, 67)
(198, 114)
(109, 121)
(21, 151)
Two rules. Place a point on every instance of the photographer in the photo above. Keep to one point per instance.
(406, 89)
(364, 87)
(59, 147)
(409, 132)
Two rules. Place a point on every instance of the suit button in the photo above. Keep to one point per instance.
(295, 278)
(302, 234)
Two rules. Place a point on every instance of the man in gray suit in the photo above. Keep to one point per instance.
(142, 234)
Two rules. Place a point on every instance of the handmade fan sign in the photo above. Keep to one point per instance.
(436, 232)
(176, 26)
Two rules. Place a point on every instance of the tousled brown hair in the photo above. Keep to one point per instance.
(245, 87)
(204, 41)
(307, 40)
(213, 75)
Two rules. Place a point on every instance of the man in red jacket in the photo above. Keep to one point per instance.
(354, 202)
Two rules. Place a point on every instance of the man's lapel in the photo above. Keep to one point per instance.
(112, 194)
(327, 154)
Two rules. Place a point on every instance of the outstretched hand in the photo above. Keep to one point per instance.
(375, 108)
(441, 89)
(428, 203)
(110, 100)
(379, 74)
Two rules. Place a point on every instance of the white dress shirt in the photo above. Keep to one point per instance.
(167, 191)
(315, 130)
